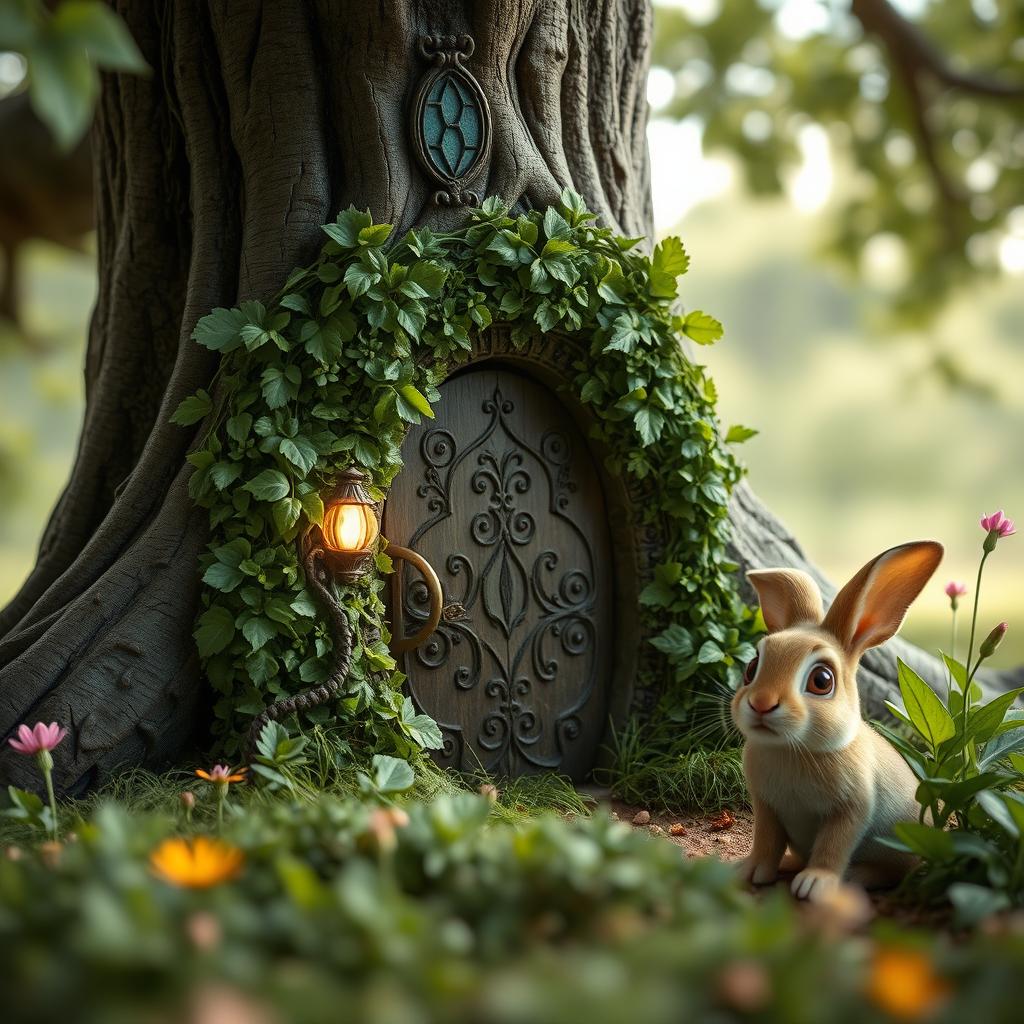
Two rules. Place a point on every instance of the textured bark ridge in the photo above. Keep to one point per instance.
(214, 174)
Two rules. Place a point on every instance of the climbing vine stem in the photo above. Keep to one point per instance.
(332, 371)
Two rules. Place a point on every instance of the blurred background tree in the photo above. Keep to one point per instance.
(920, 102)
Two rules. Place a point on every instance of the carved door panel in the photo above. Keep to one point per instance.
(501, 495)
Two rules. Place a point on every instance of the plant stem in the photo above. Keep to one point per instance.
(971, 753)
(48, 777)
(974, 613)
(952, 650)
(221, 794)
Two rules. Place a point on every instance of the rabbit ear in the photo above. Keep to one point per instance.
(871, 607)
(787, 596)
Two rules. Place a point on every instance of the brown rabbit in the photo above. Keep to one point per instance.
(821, 780)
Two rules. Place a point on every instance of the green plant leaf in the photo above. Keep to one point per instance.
(956, 671)
(737, 434)
(215, 629)
(392, 774)
(933, 844)
(220, 330)
(62, 86)
(101, 32)
(674, 641)
(193, 409)
(270, 485)
(345, 231)
(995, 807)
(416, 400)
(701, 328)
(924, 709)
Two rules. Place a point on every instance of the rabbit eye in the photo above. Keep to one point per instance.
(750, 671)
(821, 681)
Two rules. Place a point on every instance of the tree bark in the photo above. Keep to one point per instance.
(258, 123)
(214, 174)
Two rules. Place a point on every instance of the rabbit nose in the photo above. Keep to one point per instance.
(762, 707)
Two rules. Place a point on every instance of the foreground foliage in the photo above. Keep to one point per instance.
(331, 372)
(969, 757)
(332, 908)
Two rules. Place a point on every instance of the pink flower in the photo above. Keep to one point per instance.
(998, 523)
(955, 589)
(39, 737)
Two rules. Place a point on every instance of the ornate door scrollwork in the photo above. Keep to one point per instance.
(502, 496)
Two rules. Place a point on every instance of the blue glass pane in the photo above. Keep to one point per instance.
(452, 126)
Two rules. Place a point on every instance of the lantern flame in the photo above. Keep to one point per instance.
(349, 527)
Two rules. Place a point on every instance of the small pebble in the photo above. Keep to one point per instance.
(655, 830)
(642, 818)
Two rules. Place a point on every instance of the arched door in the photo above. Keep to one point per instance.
(501, 495)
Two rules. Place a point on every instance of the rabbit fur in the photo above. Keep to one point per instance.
(822, 782)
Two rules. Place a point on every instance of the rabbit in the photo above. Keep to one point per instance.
(821, 780)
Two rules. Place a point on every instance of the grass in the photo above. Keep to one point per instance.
(144, 792)
(653, 768)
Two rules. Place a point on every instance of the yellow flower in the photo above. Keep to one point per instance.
(222, 774)
(196, 864)
(904, 983)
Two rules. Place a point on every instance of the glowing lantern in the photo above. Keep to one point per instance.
(350, 527)
(345, 542)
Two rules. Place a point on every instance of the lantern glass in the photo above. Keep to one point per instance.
(349, 526)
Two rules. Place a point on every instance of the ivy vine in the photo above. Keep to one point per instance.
(333, 370)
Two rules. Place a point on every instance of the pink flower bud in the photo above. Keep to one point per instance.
(993, 640)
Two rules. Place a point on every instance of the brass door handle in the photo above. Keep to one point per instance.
(399, 645)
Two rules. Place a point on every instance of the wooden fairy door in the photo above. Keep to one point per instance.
(501, 495)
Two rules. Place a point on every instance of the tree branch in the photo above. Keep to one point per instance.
(908, 44)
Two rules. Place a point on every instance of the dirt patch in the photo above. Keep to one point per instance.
(728, 834)
(700, 835)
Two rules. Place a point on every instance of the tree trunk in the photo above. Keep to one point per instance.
(259, 122)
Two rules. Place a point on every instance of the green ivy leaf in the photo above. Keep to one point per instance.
(270, 485)
(299, 452)
(416, 400)
(392, 774)
(193, 409)
(737, 434)
(421, 729)
(262, 666)
(286, 514)
(313, 506)
(258, 631)
(345, 231)
(701, 328)
(215, 629)
(220, 330)
(223, 577)
(223, 474)
(674, 641)
(649, 422)
(668, 261)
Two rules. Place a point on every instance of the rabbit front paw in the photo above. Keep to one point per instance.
(757, 872)
(814, 883)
